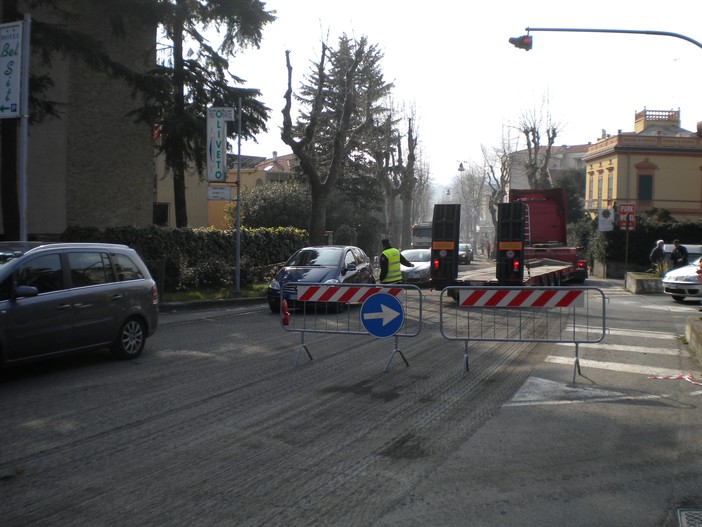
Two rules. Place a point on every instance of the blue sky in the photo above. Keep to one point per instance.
(470, 87)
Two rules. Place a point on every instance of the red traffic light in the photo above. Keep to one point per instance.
(524, 42)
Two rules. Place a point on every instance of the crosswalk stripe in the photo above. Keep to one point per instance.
(614, 366)
(630, 333)
(624, 347)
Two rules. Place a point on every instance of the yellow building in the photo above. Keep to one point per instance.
(658, 165)
(205, 201)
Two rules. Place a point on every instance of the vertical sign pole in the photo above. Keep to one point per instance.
(238, 201)
(626, 249)
(24, 130)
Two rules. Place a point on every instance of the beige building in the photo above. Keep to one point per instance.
(562, 158)
(658, 165)
(206, 202)
(92, 166)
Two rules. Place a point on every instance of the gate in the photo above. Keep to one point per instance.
(523, 314)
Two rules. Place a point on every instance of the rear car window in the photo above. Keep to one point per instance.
(126, 268)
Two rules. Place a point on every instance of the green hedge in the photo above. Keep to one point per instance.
(612, 246)
(182, 259)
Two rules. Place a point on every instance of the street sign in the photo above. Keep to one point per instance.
(217, 142)
(627, 216)
(10, 71)
(219, 193)
(382, 315)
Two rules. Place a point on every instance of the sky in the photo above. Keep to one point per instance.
(451, 60)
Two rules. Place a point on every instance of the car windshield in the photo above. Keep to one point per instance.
(417, 255)
(464, 247)
(313, 256)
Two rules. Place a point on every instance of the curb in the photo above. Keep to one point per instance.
(693, 334)
(191, 305)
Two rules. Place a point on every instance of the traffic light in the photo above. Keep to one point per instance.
(524, 42)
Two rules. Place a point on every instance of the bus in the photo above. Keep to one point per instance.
(421, 235)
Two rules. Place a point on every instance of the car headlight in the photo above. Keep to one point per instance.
(692, 278)
(332, 281)
(274, 284)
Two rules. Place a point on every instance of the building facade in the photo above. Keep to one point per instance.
(92, 166)
(657, 166)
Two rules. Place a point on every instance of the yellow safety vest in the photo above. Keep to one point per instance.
(394, 273)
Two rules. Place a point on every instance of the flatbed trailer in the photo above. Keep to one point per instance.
(536, 272)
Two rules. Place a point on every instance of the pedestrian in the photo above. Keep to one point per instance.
(390, 260)
(489, 248)
(657, 256)
(679, 255)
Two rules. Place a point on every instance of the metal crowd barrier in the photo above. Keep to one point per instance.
(523, 314)
(352, 309)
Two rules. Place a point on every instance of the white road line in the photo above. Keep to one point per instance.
(629, 333)
(615, 366)
(624, 347)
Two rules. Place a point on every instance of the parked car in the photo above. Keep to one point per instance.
(683, 281)
(326, 264)
(420, 273)
(57, 298)
(465, 253)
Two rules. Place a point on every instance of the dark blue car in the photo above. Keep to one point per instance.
(327, 264)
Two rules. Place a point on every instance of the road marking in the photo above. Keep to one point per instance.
(624, 347)
(536, 391)
(629, 333)
(614, 366)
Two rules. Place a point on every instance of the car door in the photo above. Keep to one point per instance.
(36, 325)
(98, 298)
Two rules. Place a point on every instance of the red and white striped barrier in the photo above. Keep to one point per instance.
(687, 377)
(522, 298)
(335, 293)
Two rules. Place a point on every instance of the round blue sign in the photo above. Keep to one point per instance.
(382, 315)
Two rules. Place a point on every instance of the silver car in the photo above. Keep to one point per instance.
(57, 298)
(683, 281)
(420, 273)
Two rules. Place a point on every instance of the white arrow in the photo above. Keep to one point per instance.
(387, 314)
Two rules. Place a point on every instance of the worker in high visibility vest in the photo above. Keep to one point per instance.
(390, 260)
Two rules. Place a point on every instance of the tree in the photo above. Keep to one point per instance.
(469, 186)
(498, 165)
(572, 181)
(178, 92)
(538, 156)
(339, 102)
(273, 205)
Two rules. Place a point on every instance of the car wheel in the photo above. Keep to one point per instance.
(275, 306)
(130, 340)
(678, 298)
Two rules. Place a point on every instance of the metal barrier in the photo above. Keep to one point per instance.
(523, 314)
(385, 311)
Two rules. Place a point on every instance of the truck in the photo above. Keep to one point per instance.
(531, 246)
(421, 235)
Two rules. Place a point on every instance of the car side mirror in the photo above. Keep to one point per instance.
(349, 267)
(24, 291)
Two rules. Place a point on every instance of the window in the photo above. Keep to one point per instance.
(160, 215)
(610, 186)
(90, 268)
(42, 272)
(645, 188)
(349, 259)
(126, 268)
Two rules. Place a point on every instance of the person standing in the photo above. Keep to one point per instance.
(657, 255)
(679, 254)
(390, 260)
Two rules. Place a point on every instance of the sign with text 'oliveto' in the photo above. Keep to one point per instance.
(217, 142)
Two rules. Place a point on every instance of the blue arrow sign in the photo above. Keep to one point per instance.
(382, 315)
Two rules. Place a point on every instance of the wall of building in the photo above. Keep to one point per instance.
(92, 166)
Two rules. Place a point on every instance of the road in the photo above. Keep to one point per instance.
(214, 425)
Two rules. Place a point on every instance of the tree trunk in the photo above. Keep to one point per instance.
(318, 221)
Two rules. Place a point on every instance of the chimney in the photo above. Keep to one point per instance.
(275, 156)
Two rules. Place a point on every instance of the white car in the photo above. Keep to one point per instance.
(419, 274)
(683, 281)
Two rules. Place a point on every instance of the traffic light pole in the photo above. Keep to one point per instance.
(628, 31)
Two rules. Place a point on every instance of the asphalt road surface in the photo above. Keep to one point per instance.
(215, 425)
